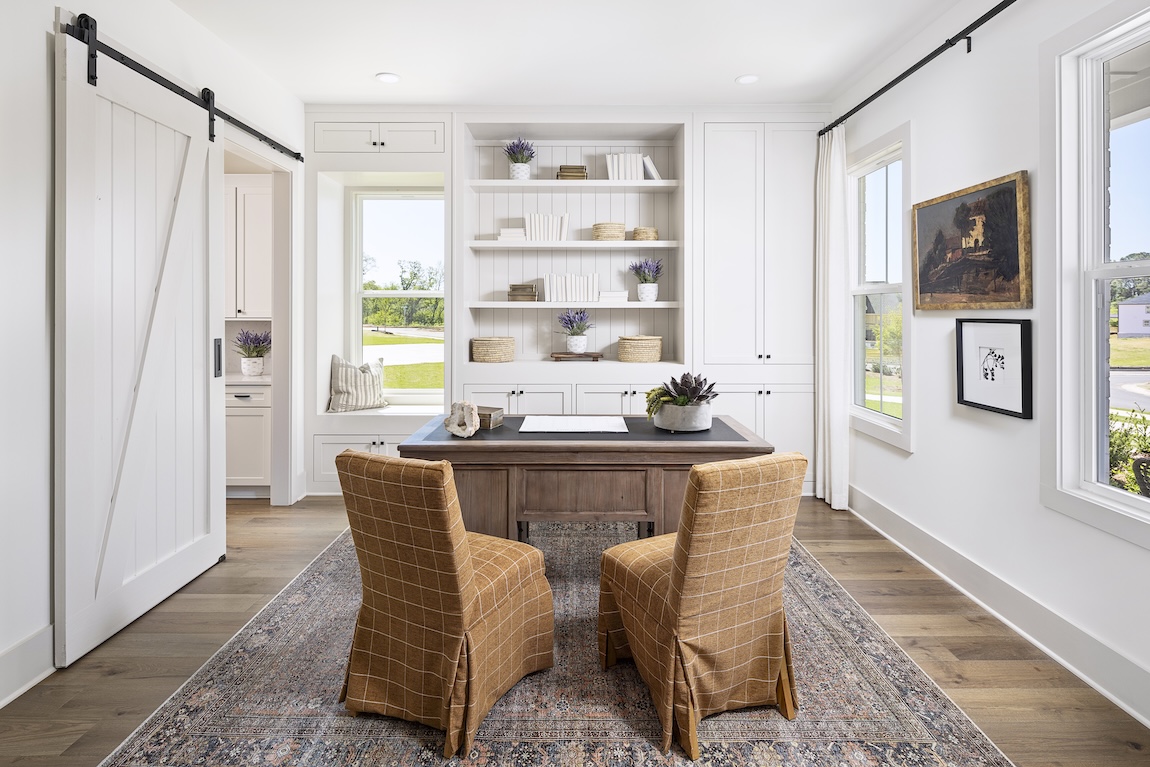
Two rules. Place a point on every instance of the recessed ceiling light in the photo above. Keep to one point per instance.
(747, 79)
(387, 77)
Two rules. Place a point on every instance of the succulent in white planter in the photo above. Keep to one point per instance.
(682, 404)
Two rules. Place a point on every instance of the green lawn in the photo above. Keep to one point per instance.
(1129, 352)
(372, 338)
(424, 375)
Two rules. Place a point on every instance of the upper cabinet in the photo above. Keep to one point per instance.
(248, 246)
(541, 231)
(756, 268)
(379, 137)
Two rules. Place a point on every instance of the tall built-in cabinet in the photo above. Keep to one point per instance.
(754, 317)
(488, 201)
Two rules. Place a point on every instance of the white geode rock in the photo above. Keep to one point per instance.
(463, 421)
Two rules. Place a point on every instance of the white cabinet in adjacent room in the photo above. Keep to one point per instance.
(248, 414)
(379, 137)
(522, 399)
(756, 267)
(612, 399)
(248, 234)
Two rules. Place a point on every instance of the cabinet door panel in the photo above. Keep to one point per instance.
(347, 137)
(789, 424)
(249, 431)
(491, 395)
(603, 399)
(411, 137)
(254, 259)
(744, 403)
(732, 257)
(790, 245)
(544, 399)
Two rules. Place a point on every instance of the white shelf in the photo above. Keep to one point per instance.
(565, 304)
(551, 185)
(572, 244)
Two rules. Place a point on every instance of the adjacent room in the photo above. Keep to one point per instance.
(763, 385)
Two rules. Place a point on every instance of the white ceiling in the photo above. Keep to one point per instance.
(592, 52)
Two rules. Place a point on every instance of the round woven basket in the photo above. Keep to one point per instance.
(493, 349)
(645, 233)
(608, 231)
(640, 348)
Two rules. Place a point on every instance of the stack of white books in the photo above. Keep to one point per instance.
(631, 167)
(545, 227)
(583, 288)
(513, 233)
(612, 295)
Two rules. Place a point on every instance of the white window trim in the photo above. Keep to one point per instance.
(433, 398)
(1073, 155)
(888, 148)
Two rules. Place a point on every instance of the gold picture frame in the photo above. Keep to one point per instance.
(972, 247)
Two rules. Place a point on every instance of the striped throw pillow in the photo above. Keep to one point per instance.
(355, 388)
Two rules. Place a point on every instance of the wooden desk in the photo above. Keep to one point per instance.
(505, 478)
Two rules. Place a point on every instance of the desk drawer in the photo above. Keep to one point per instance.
(248, 396)
(576, 491)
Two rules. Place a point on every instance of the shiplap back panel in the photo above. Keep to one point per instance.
(488, 272)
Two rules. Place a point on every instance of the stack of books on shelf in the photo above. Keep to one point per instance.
(522, 292)
(513, 233)
(546, 227)
(631, 167)
(613, 295)
(571, 287)
(572, 172)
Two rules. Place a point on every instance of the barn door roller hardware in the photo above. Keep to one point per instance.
(84, 30)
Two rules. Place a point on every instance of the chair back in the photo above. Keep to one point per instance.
(734, 538)
(411, 543)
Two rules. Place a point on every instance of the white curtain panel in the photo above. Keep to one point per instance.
(832, 323)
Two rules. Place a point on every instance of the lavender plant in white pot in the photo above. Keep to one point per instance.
(520, 153)
(253, 347)
(648, 271)
(576, 323)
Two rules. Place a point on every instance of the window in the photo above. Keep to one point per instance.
(1099, 413)
(880, 226)
(397, 306)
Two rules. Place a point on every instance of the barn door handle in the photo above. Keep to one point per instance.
(218, 358)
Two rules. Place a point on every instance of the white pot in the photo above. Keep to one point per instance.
(252, 366)
(683, 417)
(648, 291)
(576, 344)
(520, 171)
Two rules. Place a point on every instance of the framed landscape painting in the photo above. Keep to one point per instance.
(994, 370)
(972, 247)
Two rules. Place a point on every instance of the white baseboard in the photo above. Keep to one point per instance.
(24, 664)
(1117, 677)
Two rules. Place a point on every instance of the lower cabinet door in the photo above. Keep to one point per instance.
(249, 441)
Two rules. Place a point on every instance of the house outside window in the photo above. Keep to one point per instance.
(397, 292)
(880, 234)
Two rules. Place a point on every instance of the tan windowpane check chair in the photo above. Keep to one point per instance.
(701, 611)
(450, 620)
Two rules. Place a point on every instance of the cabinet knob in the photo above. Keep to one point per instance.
(768, 391)
(512, 392)
(239, 311)
(760, 392)
(633, 392)
(375, 143)
(520, 391)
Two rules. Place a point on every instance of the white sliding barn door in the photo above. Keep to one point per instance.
(138, 418)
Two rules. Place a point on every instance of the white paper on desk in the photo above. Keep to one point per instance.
(574, 423)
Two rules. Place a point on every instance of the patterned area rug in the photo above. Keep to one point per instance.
(269, 697)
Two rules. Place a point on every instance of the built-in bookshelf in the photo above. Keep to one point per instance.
(491, 204)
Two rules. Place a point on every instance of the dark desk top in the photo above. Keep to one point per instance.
(724, 430)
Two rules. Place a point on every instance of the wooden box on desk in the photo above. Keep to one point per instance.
(490, 417)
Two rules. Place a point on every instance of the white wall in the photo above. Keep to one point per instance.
(160, 33)
(967, 499)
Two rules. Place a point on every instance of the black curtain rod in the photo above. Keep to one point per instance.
(950, 43)
(85, 31)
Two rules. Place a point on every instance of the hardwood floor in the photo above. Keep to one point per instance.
(1038, 713)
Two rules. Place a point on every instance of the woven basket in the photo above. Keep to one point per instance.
(640, 348)
(608, 231)
(645, 233)
(493, 349)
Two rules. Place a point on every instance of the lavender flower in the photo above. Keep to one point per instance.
(519, 151)
(575, 322)
(252, 344)
(648, 270)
